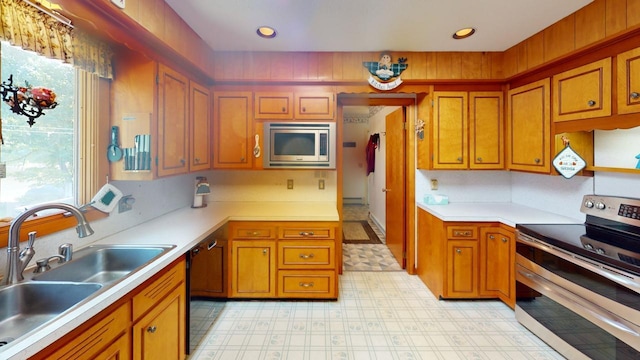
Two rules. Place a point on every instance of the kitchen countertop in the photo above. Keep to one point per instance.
(503, 212)
(183, 228)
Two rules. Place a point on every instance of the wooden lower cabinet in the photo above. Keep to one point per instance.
(497, 257)
(458, 260)
(160, 334)
(283, 260)
(253, 268)
(147, 323)
(462, 269)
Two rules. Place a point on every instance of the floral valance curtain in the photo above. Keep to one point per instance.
(24, 25)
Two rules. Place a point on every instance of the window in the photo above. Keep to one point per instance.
(40, 165)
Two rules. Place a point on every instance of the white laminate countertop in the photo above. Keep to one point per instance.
(503, 212)
(183, 228)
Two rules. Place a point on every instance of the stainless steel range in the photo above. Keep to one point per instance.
(578, 285)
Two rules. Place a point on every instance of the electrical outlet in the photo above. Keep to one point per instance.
(434, 184)
(321, 184)
(289, 184)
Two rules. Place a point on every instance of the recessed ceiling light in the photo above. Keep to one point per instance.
(464, 33)
(266, 32)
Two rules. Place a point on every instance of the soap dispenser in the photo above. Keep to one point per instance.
(201, 189)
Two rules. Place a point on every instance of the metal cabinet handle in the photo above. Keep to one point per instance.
(462, 233)
(196, 160)
(306, 233)
(212, 245)
(284, 109)
(304, 109)
(183, 161)
(386, 190)
(459, 159)
(458, 251)
(536, 160)
(634, 95)
(491, 237)
(305, 256)
(305, 285)
(504, 240)
(591, 103)
(151, 329)
(479, 159)
(265, 251)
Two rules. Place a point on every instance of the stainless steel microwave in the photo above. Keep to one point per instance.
(297, 145)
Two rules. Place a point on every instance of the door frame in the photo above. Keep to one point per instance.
(410, 102)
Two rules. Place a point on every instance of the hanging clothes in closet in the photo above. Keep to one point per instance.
(372, 145)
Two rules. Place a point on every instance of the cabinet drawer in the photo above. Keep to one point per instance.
(158, 289)
(296, 254)
(306, 284)
(91, 342)
(253, 232)
(307, 232)
(462, 232)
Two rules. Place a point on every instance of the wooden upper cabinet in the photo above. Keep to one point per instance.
(583, 92)
(314, 106)
(529, 127)
(468, 130)
(628, 76)
(173, 122)
(232, 130)
(450, 123)
(200, 154)
(486, 134)
(273, 105)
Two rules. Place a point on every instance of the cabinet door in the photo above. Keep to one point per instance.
(314, 106)
(160, 334)
(273, 105)
(232, 134)
(486, 135)
(253, 268)
(173, 126)
(529, 128)
(119, 350)
(200, 128)
(450, 145)
(209, 270)
(462, 269)
(496, 262)
(583, 92)
(628, 73)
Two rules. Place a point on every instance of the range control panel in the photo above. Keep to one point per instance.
(626, 210)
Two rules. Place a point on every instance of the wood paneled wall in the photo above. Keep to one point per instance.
(593, 23)
(589, 25)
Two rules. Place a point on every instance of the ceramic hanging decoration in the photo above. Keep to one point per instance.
(568, 162)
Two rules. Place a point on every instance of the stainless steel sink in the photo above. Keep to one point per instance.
(103, 264)
(27, 305)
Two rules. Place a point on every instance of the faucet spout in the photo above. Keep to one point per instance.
(15, 264)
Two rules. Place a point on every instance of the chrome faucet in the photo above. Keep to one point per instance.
(16, 260)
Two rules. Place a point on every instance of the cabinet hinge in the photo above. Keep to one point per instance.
(157, 79)
(156, 161)
(431, 103)
(404, 254)
(404, 125)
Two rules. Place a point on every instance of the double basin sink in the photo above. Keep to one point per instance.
(27, 305)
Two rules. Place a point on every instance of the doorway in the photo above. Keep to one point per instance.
(367, 133)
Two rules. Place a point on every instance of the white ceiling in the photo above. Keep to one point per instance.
(370, 25)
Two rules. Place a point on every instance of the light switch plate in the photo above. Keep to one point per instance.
(118, 3)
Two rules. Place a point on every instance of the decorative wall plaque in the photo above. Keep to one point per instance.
(384, 74)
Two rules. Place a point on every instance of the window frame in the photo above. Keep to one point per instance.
(93, 119)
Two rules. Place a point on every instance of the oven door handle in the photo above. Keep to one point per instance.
(606, 320)
(618, 276)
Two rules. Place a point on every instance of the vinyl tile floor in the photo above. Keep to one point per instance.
(378, 316)
(381, 314)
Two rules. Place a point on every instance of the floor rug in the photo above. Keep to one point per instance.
(358, 232)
